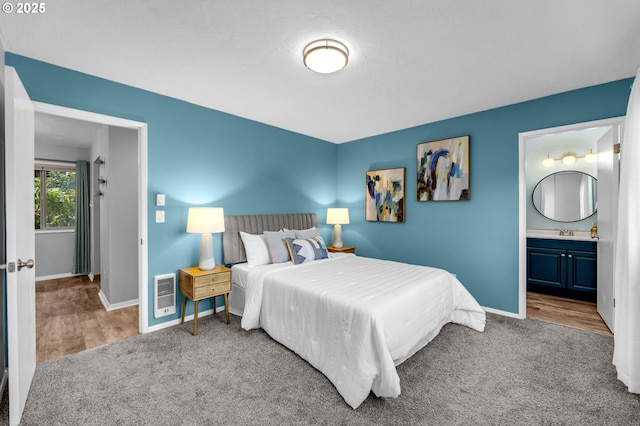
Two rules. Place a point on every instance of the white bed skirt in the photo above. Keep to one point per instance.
(236, 300)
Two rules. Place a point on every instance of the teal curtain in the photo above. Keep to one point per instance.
(82, 258)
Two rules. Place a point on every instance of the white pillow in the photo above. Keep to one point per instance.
(277, 248)
(256, 248)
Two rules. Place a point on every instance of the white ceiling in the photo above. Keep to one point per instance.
(412, 62)
(61, 131)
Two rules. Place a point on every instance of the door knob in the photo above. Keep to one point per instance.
(29, 264)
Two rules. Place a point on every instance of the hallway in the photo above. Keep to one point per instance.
(70, 318)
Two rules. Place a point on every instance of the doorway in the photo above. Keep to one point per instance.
(126, 131)
(553, 144)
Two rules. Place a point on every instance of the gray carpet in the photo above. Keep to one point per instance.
(516, 372)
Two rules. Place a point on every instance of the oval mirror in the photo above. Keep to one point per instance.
(566, 196)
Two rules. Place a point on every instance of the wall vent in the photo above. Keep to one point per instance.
(164, 300)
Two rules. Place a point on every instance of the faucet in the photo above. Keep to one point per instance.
(566, 232)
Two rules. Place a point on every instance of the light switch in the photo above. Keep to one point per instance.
(159, 199)
(160, 216)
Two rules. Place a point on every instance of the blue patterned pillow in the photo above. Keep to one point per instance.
(306, 250)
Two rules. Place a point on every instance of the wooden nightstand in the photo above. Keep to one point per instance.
(343, 249)
(197, 284)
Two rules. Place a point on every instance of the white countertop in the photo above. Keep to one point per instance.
(555, 234)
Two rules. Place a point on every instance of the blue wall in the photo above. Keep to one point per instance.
(198, 156)
(476, 239)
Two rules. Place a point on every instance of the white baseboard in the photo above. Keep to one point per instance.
(503, 313)
(112, 307)
(54, 277)
(186, 319)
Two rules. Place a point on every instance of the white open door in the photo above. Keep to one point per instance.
(608, 179)
(21, 300)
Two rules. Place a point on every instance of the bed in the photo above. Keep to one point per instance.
(353, 318)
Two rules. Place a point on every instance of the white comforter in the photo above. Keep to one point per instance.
(356, 318)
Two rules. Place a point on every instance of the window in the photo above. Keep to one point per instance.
(56, 209)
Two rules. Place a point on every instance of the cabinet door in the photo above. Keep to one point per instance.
(581, 271)
(546, 266)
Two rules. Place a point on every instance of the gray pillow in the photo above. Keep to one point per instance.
(277, 246)
(306, 233)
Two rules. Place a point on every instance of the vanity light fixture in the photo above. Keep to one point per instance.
(570, 158)
(325, 56)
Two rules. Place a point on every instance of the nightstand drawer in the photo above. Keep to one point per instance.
(206, 280)
(345, 249)
(202, 291)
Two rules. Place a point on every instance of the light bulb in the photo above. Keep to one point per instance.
(548, 162)
(591, 157)
(569, 159)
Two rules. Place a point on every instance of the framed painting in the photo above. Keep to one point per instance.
(443, 170)
(385, 195)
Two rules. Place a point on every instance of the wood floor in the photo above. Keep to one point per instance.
(572, 313)
(70, 318)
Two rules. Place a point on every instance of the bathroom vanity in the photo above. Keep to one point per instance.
(564, 266)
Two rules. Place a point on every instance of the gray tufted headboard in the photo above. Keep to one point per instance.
(257, 224)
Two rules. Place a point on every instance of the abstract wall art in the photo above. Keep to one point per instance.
(385, 195)
(443, 170)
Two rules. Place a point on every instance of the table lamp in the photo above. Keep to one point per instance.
(205, 221)
(337, 217)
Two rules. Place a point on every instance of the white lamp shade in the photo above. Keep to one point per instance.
(591, 157)
(205, 220)
(337, 216)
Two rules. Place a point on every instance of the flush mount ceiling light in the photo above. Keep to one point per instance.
(325, 56)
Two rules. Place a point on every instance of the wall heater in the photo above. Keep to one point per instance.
(164, 301)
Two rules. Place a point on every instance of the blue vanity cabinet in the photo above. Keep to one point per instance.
(565, 268)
